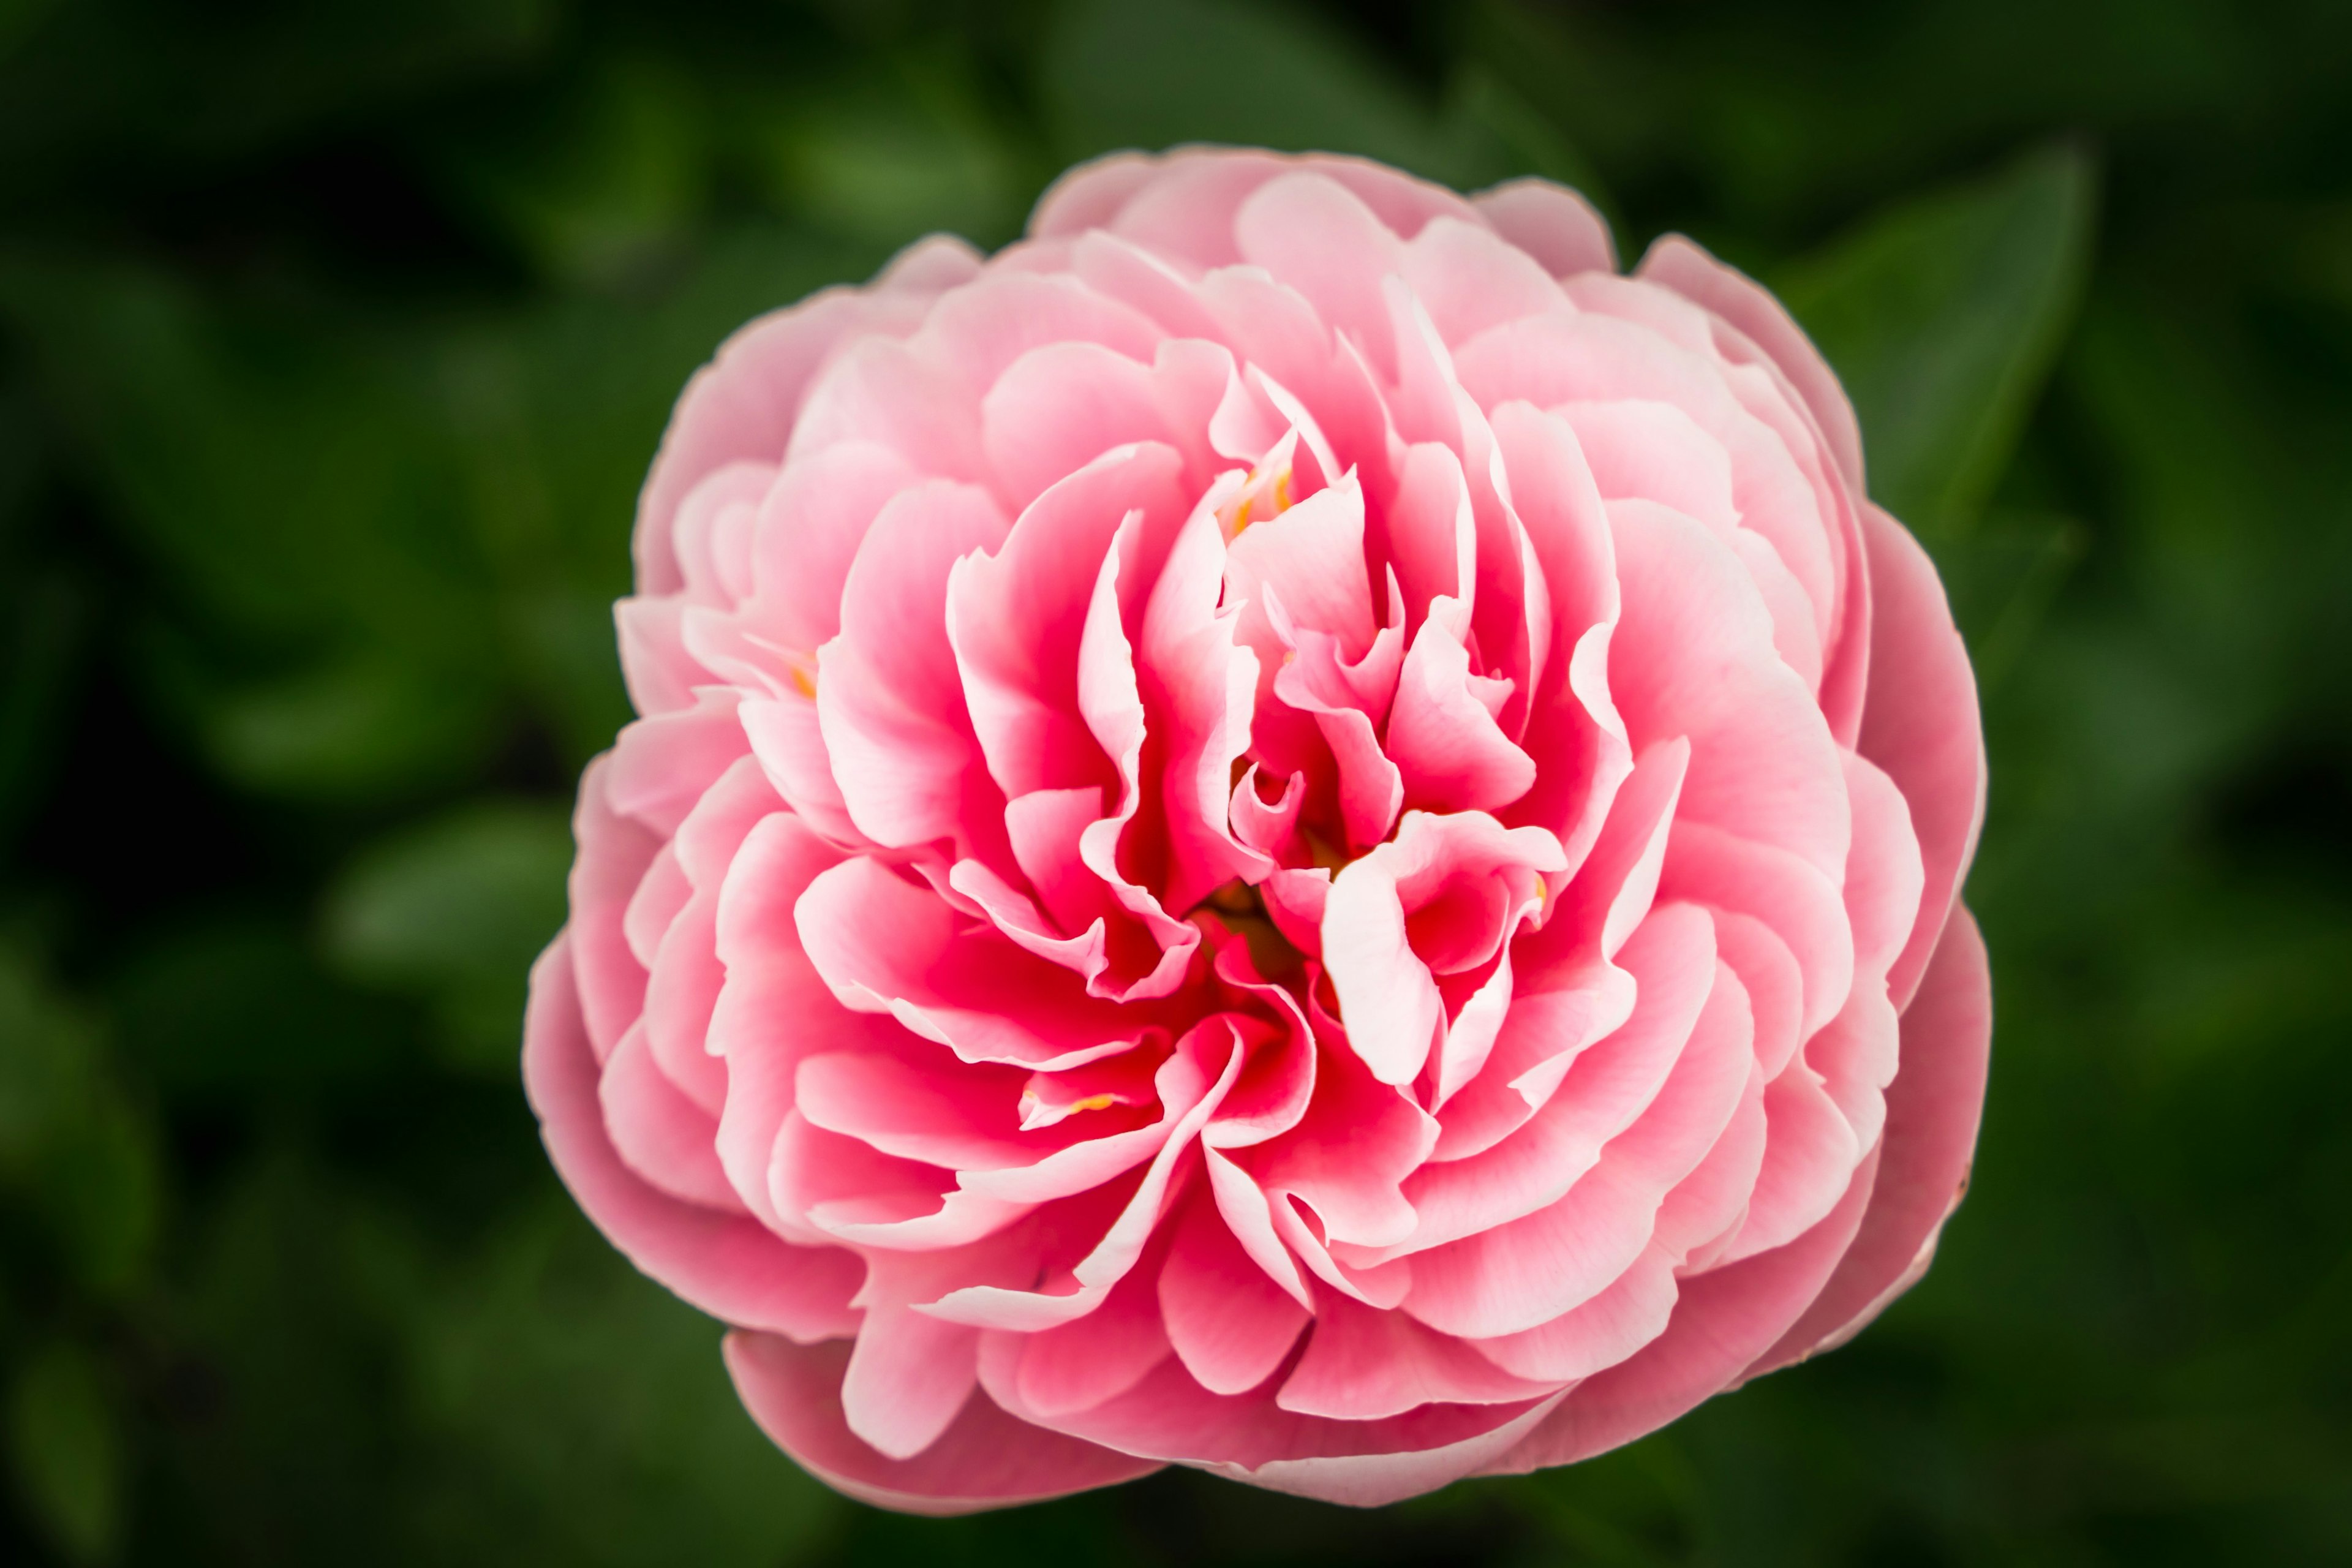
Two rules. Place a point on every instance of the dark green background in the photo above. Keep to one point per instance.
(334, 340)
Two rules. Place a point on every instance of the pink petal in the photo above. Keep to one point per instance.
(614, 855)
(1512, 1277)
(661, 766)
(1230, 1324)
(1723, 1322)
(1090, 195)
(1189, 1105)
(1933, 1108)
(1801, 906)
(1060, 406)
(1573, 729)
(885, 945)
(909, 1374)
(1448, 748)
(1598, 1334)
(1608, 1087)
(1318, 237)
(744, 402)
(1249, 1438)
(1682, 266)
(660, 1134)
(983, 1459)
(1693, 656)
(1470, 279)
(1080, 1364)
(1362, 1364)
(889, 701)
(788, 738)
(1921, 727)
(810, 526)
(983, 327)
(726, 1263)
(882, 392)
(1551, 223)
(1015, 617)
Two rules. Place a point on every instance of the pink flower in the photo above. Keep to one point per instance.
(1289, 828)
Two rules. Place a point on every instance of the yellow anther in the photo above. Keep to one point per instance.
(800, 672)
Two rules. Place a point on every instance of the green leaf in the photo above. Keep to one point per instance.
(891, 152)
(1943, 316)
(295, 486)
(1153, 73)
(1496, 134)
(583, 1406)
(453, 912)
(602, 186)
(65, 1448)
(72, 1147)
(231, 1009)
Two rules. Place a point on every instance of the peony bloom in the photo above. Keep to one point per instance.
(1290, 828)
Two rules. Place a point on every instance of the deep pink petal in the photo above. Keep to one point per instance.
(887, 946)
(1100, 1356)
(1362, 1364)
(1448, 747)
(1230, 1324)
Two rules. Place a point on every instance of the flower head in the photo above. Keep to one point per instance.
(1289, 828)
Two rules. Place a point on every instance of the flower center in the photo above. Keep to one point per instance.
(1241, 910)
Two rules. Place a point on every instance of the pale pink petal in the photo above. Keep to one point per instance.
(1470, 279)
(1691, 272)
(660, 1134)
(614, 855)
(1511, 1276)
(1921, 727)
(1932, 1112)
(1722, 1322)
(726, 1263)
(1551, 223)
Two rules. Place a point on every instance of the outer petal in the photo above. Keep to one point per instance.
(1723, 1322)
(1739, 300)
(1920, 725)
(985, 1459)
(1551, 223)
(744, 404)
(727, 1264)
(1933, 1108)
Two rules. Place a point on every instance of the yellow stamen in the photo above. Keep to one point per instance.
(800, 670)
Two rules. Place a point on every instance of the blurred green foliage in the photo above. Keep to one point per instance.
(333, 344)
